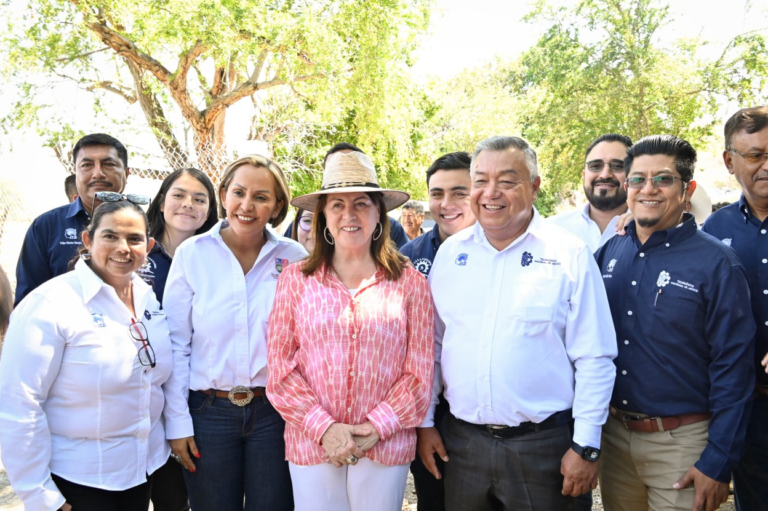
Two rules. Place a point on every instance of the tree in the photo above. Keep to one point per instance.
(600, 68)
(197, 58)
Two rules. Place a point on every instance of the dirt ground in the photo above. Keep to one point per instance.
(10, 502)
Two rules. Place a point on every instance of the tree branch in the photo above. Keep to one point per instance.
(86, 54)
(259, 66)
(179, 79)
(127, 94)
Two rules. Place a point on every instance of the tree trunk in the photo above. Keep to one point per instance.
(155, 115)
(211, 150)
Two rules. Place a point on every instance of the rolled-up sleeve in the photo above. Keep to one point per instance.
(32, 355)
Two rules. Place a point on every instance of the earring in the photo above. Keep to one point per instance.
(85, 256)
(327, 234)
(381, 231)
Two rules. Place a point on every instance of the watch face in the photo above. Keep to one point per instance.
(591, 454)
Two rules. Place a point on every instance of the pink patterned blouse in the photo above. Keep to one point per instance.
(334, 357)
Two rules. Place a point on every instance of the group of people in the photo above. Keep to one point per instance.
(194, 357)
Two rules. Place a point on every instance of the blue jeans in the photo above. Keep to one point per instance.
(750, 477)
(242, 455)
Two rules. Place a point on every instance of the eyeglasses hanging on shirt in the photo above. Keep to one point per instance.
(146, 353)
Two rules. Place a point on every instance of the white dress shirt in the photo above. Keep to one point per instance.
(76, 401)
(580, 225)
(524, 332)
(218, 318)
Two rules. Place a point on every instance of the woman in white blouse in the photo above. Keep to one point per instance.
(83, 363)
(218, 298)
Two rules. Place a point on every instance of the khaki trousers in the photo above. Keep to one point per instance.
(639, 469)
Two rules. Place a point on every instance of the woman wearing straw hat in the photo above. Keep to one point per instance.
(351, 348)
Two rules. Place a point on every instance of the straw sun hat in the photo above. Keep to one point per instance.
(347, 173)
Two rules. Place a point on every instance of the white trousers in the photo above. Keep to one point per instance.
(367, 486)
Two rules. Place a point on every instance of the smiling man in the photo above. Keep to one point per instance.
(743, 226)
(411, 217)
(524, 348)
(603, 176)
(680, 306)
(101, 164)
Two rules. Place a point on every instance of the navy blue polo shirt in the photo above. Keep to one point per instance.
(421, 251)
(735, 226)
(50, 244)
(681, 309)
(155, 270)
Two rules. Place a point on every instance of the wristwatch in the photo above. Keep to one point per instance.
(587, 453)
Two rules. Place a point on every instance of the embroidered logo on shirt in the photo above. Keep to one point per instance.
(611, 264)
(423, 265)
(280, 264)
(527, 259)
(663, 279)
(71, 234)
(727, 241)
(98, 320)
(462, 260)
(147, 315)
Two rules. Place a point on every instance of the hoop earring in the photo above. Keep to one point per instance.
(85, 256)
(381, 231)
(327, 234)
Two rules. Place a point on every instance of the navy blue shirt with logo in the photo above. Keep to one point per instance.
(50, 244)
(155, 270)
(735, 226)
(681, 309)
(421, 251)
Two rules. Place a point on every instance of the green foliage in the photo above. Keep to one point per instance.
(600, 68)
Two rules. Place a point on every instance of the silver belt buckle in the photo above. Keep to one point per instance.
(240, 389)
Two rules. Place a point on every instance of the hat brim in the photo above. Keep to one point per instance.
(392, 198)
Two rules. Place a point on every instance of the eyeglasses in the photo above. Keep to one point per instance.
(141, 200)
(139, 333)
(305, 223)
(662, 181)
(599, 165)
(752, 158)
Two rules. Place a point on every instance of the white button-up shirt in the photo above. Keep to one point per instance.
(76, 401)
(580, 225)
(524, 332)
(218, 318)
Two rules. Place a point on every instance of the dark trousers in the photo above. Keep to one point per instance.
(87, 498)
(430, 492)
(242, 456)
(515, 474)
(169, 491)
(750, 476)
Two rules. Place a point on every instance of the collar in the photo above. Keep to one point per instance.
(216, 231)
(433, 237)
(75, 208)
(160, 249)
(534, 228)
(672, 236)
(91, 284)
(744, 207)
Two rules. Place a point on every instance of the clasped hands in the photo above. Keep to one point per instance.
(345, 444)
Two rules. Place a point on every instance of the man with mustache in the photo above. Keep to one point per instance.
(743, 226)
(101, 164)
(604, 187)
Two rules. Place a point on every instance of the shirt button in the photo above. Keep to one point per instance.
(667, 244)
(626, 342)
(354, 336)
(624, 373)
(349, 409)
(629, 313)
(765, 261)
(144, 440)
(634, 283)
(765, 291)
(352, 373)
(642, 254)
(624, 401)
(762, 231)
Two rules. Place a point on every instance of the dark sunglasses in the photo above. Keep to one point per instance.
(141, 200)
(599, 165)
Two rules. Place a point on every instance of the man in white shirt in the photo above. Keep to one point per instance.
(524, 343)
(603, 174)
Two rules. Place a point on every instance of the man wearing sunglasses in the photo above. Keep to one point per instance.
(604, 187)
(743, 226)
(101, 165)
(684, 374)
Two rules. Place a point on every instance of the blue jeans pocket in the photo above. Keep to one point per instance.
(198, 401)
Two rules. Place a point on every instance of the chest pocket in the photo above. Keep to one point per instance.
(533, 305)
(675, 310)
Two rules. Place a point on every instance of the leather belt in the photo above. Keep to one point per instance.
(239, 395)
(644, 424)
(505, 432)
